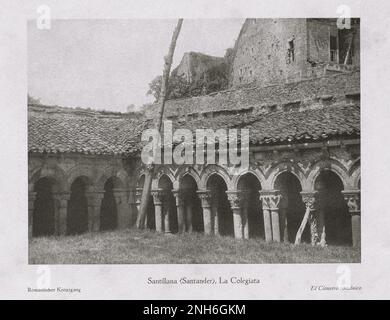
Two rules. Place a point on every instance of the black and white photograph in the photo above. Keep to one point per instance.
(190, 149)
(176, 180)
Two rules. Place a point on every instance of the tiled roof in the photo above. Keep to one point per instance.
(288, 126)
(89, 133)
(94, 133)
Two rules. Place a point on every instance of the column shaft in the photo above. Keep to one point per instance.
(275, 225)
(205, 198)
(189, 213)
(267, 224)
(158, 196)
(31, 200)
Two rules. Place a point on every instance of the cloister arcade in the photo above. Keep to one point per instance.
(263, 202)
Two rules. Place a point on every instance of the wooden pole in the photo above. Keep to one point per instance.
(164, 84)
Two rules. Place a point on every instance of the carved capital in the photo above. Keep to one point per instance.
(62, 198)
(158, 196)
(270, 199)
(352, 197)
(95, 197)
(205, 198)
(235, 199)
(309, 199)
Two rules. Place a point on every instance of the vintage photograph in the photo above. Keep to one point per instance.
(194, 141)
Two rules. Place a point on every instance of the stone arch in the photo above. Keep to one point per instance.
(193, 213)
(223, 214)
(256, 174)
(291, 206)
(53, 172)
(189, 171)
(117, 181)
(334, 222)
(214, 169)
(45, 207)
(109, 208)
(252, 213)
(324, 165)
(355, 174)
(85, 171)
(164, 171)
(282, 167)
(77, 215)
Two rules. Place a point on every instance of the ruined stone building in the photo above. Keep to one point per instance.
(295, 86)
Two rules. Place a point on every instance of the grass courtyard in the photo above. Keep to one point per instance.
(143, 246)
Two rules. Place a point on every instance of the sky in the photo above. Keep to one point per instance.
(108, 64)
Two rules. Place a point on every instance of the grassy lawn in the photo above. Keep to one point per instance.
(135, 246)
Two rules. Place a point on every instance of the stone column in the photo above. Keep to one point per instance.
(31, 199)
(283, 217)
(122, 207)
(167, 218)
(205, 198)
(320, 216)
(266, 215)
(271, 200)
(188, 208)
(244, 212)
(179, 198)
(61, 199)
(352, 197)
(158, 196)
(235, 199)
(214, 212)
(309, 199)
(94, 199)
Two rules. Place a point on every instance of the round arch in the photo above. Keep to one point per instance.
(163, 171)
(84, 171)
(214, 169)
(45, 204)
(327, 165)
(283, 167)
(255, 174)
(51, 172)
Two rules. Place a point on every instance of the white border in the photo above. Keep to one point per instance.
(129, 281)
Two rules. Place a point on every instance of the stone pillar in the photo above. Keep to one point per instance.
(61, 199)
(158, 196)
(205, 198)
(94, 199)
(31, 199)
(352, 197)
(271, 200)
(179, 198)
(309, 199)
(122, 207)
(235, 199)
(244, 212)
(188, 208)
(214, 212)
(283, 217)
(189, 214)
(320, 216)
(167, 218)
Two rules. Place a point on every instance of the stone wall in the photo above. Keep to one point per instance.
(262, 51)
(316, 92)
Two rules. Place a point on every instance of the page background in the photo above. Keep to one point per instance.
(130, 281)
